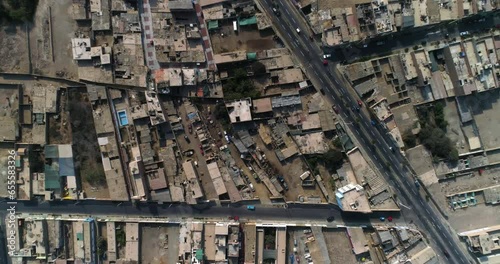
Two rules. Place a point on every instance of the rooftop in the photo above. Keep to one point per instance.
(239, 111)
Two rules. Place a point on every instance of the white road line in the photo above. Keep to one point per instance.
(293, 19)
(371, 131)
(413, 191)
(321, 80)
(439, 227)
(301, 52)
(376, 158)
(342, 91)
(357, 132)
(379, 141)
(288, 33)
(286, 11)
(427, 211)
(456, 252)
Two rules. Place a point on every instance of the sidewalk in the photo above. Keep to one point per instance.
(147, 36)
(207, 45)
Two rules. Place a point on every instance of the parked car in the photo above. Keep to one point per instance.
(464, 33)
(298, 30)
(335, 108)
(187, 139)
(325, 62)
(281, 179)
(251, 207)
(330, 219)
(360, 103)
(285, 185)
(190, 129)
(189, 153)
(256, 177)
(326, 56)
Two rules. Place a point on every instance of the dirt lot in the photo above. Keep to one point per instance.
(466, 219)
(4, 154)
(86, 151)
(339, 250)
(485, 107)
(15, 42)
(248, 38)
(160, 244)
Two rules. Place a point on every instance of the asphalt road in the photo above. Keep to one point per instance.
(293, 214)
(397, 174)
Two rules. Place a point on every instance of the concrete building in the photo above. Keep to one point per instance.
(194, 189)
(483, 241)
(213, 170)
(240, 110)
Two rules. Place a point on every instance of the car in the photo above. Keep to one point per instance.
(326, 56)
(298, 30)
(360, 103)
(311, 37)
(382, 218)
(446, 254)
(285, 185)
(391, 148)
(325, 62)
(187, 139)
(358, 108)
(236, 218)
(189, 153)
(307, 231)
(276, 11)
(330, 219)
(335, 108)
(464, 33)
(307, 256)
(256, 177)
(365, 46)
(373, 122)
(250, 207)
(389, 218)
(322, 91)
(190, 128)
(281, 179)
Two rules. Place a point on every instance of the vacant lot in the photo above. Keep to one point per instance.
(339, 247)
(86, 151)
(485, 107)
(247, 38)
(160, 244)
(37, 35)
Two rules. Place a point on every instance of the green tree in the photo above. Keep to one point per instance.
(258, 68)
(239, 86)
(409, 139)
(120, 237)
(333, 159)
(102, 246)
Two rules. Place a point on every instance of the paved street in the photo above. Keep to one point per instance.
(398, 174)
(293, 214)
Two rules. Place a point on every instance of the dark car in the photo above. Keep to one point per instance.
(322, 91)
(280, 178)
(187, 139)
(330, 219)
(285, 185)
(189, 153)
(335, 108)
(446, 254)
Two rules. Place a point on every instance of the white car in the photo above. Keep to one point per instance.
(326, 56)
(464, 33)
(298, 30)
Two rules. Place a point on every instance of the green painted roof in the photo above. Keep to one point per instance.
(199, 254)
(251, 56)
(52, 177)
(213, 24)
(79, 236)
(248, 21)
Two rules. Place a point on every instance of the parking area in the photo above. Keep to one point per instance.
(299, 240)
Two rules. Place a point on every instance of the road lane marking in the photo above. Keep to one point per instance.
(414, 192)
(427, 211)
(379, 142)
(286, 11)
(293, 19)
(373, 134)
(301, 53)
(357, 132)
(375, 157)
(321, 80)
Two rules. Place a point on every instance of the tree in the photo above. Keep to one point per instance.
(102, 246)
(453, 157)
(258, 68)
(120, 237)
(239, 86)
(333, 159)
(409, 139)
